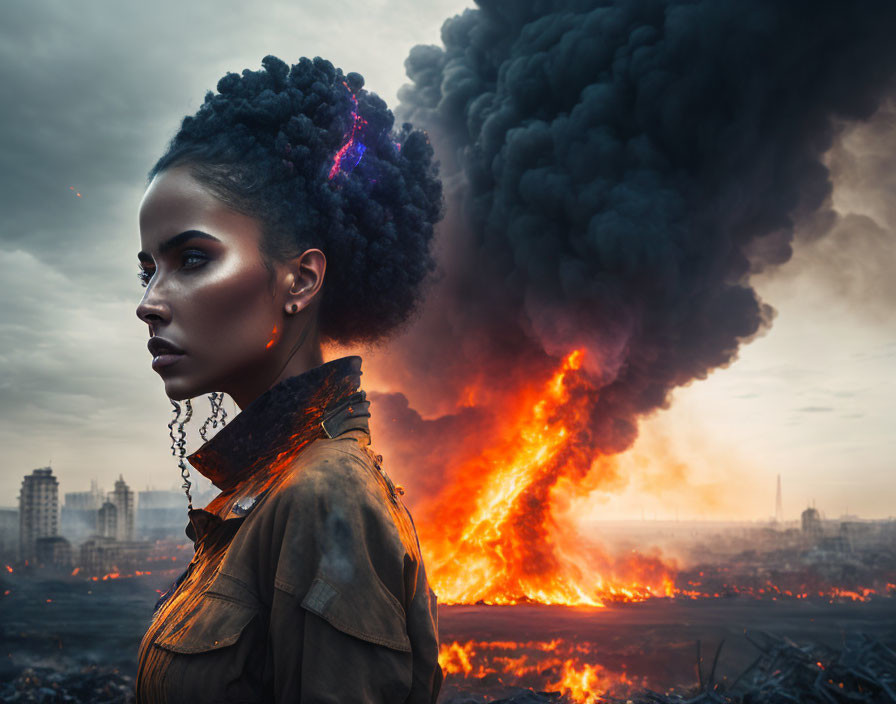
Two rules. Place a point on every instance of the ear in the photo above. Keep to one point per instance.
(306, 274)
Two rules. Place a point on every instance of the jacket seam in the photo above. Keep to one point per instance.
(403, 644)
(380, 478)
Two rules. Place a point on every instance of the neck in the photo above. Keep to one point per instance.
(250, 388)
(305, 354)
(308, 357)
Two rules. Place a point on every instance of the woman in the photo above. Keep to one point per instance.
(283, 214)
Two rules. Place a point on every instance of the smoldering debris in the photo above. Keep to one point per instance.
(94, 684)
(863, 670)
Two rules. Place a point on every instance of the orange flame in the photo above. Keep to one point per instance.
(558, 665)
(491, 535)
(586, 684)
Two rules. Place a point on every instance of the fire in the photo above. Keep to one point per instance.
(498, 533)
(558, 665)
(586, 683)
(492, 537)
(456, 658)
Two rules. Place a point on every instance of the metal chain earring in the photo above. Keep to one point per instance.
(216, 399)
(179, 445)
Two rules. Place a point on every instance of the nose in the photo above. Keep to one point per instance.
(152, 309)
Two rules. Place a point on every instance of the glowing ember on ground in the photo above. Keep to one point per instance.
(557, 665)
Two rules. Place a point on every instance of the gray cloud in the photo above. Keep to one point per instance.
(91, 93)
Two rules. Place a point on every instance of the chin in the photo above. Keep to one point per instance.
(182, 389)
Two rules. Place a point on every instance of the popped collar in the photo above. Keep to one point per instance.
(244, 458)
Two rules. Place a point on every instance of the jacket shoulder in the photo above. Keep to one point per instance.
(341, 469)
(336, 506)
(343, 554)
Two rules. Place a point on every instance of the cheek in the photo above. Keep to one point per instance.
(233, 315)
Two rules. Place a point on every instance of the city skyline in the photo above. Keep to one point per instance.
(202, 487)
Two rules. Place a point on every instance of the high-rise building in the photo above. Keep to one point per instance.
(79, 512)
(9, 534)
(85, 500)
(811, 522)
(107, 521)
(38, 510)
(123, 498)
(162, 513)
(53, 551)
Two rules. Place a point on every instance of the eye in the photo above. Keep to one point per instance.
(193, 258)
(190, 259)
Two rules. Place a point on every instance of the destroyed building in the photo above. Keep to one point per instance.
(38, 510)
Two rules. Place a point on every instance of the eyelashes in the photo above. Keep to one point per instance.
(199, 259)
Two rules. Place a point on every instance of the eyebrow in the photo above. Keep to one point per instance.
(176, 241)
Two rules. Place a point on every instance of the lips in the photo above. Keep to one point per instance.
(160, 346)
(164, 353)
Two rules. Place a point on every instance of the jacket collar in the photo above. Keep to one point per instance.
(245, 458)
(323, 401)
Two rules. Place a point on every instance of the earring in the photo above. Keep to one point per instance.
(294, 307)
(179, 445)
(217, 404)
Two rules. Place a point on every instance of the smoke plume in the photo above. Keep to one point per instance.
(615, 172)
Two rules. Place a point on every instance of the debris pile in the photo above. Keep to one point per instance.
(863, 671)
(48, 685)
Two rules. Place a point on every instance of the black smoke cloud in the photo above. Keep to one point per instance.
(618, 170)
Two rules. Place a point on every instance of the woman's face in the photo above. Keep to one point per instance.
(208, 292)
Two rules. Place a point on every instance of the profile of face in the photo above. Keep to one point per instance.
(217, 321)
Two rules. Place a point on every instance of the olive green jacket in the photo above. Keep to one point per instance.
(307, 584)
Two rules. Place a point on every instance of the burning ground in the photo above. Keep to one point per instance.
(82, 635)
(80, 631)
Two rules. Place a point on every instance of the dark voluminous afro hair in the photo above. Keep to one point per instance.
(314, 157)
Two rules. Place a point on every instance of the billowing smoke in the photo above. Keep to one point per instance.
(616, 172)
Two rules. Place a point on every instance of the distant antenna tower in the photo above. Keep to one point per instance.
(779, 506)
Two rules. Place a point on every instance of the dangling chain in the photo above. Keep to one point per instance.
(216, 398)
(179, 445)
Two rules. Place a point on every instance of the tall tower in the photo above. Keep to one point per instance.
(123, 498)
(107, 521)
(38, 510)
(779, 506)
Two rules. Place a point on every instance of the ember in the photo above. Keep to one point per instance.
(559, 665)
(864, 670)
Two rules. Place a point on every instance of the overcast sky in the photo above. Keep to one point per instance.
(93, 91)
